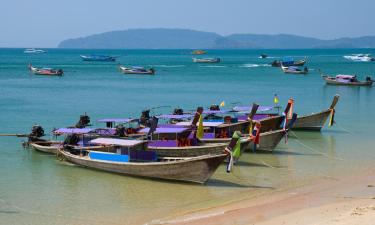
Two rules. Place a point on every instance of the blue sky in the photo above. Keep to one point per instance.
(44, 23)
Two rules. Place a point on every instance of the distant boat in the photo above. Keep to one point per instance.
(198, 52)
(347, 80)
(290, 62)
(294, 70)
(360, 57)
(46, 71)
(34, 51)
(98, 58)
(263, 56)
(136, 70)
(206, 60)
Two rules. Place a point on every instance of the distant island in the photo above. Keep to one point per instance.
(191, 39)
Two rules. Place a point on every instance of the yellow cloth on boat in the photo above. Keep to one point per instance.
(237, 147)
(200, 127)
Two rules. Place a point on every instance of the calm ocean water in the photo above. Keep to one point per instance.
(37, 188)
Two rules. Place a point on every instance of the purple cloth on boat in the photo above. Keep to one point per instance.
(106, 131)
(260, 116)
(163, 143)
(209, 135)
(171, 116)
(246, 109)
(215, 111)
(169, 126)
(165, 130)
(73, 130)
(143, 155)
(117, 120)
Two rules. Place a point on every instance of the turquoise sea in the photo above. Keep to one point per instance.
(37, 188)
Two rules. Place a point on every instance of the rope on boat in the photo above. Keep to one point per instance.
(342, 128)
(314, 150)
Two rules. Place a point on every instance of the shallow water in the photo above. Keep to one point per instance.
(37, 188)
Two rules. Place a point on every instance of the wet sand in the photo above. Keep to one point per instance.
(334, 200)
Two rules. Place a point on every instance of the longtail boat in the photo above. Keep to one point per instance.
(347, 80)
(316, 121)
(167, 140)
(198, 52)
(288, 62)
(313, 122)
(206, 60)
(45, 71)
(132, 160)
(136, 70)
(76, 138)
(294, 70)
(98, 58)
(222, 131)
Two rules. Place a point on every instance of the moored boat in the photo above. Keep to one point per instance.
(75, 138)
(316, 121)
(46, 71)
(132, 160)
(313, 122)
(360, 57)
(288, 62)
(347, 80)
(198, 52)
(136, 70)
(294, 70)
(206, 60)
(98, 58)
(33, 51)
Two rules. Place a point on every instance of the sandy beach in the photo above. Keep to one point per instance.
(345, 200)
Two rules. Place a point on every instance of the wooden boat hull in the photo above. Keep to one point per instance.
(268, 141)
(189, 151)
(50, 147)
(332, 81)
(196, 169)
(271, 123)
(42, 72)
(314, 122)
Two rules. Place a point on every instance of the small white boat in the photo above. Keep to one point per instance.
(136, 70)
(294, 70)
(206, 60)
(360, 57)
(34, 51)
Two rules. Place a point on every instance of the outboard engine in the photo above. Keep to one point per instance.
(178, 111)
(368, 78)
(37, 131)
(71, 139)
(214, 107)
(84, 120)
(145, 116)
(120, 130)
(152, 123)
